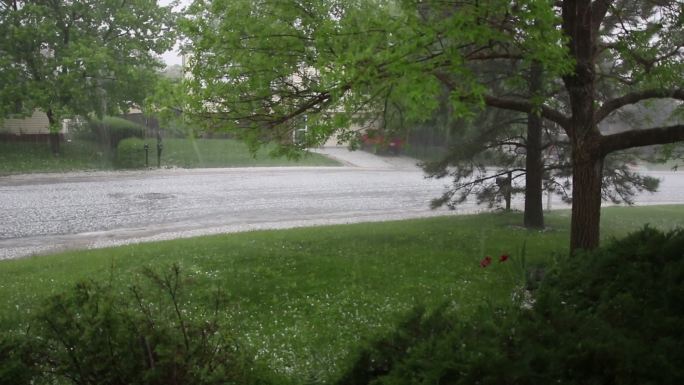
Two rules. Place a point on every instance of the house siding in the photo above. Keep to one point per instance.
(32, 125)
(36, 124)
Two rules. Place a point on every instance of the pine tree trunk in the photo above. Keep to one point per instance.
(581, 22)
(586, 200)
(54, 138)
(534, 208)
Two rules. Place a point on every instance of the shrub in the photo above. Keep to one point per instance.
(112, 130)
(432, 348)
(131, 154)
(612, 316)
(149, 334)
(19, 356)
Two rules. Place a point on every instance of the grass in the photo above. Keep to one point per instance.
(227, 153)
(20, 158)
(303, 299)
(78, 155)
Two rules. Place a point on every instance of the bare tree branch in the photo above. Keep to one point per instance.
(640, 138)
(520, 105)
(526, 106)
(321, 98)
(635, 97)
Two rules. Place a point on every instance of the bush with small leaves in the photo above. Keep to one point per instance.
(149, 334)
(612, 316)
(19, 358)
(111, 130)
(131, 154)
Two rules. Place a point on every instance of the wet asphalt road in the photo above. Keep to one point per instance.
(48, 213)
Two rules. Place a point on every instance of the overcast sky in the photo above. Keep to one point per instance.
(173, 57)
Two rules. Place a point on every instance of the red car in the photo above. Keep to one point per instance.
(377, 143)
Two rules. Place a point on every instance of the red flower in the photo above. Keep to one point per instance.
(486, 261)
(503, 258)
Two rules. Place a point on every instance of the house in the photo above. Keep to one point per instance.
(34, 128)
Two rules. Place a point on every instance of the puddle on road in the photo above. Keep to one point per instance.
(155, 196)
(145, 196)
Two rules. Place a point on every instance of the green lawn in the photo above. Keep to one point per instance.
(227, 153)
(303, 299)
(17, 158)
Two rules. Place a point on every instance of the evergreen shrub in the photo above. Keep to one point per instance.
(612, 316)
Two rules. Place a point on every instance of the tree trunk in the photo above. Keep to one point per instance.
(534, 208)
(54, 133)
(509, 190)
(587, 172)
(581, 22)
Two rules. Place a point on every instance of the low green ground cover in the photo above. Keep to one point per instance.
(19, 158)
(197, 153)
(303, 300)
(78, 154)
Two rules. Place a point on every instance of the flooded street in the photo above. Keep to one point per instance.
(47, 213)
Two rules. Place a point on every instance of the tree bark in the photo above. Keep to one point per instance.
(534, 208)
(587, 173)
(581, 24)
(54, 138)
(509, 179)
(639, 138)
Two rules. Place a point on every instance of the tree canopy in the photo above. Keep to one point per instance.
(71, 58)
(353, 56)
(258, 66)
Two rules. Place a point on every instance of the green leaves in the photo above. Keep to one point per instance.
(76, 58)
(259, 66)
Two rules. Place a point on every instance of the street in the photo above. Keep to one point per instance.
(51, 212)
(59, 212)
